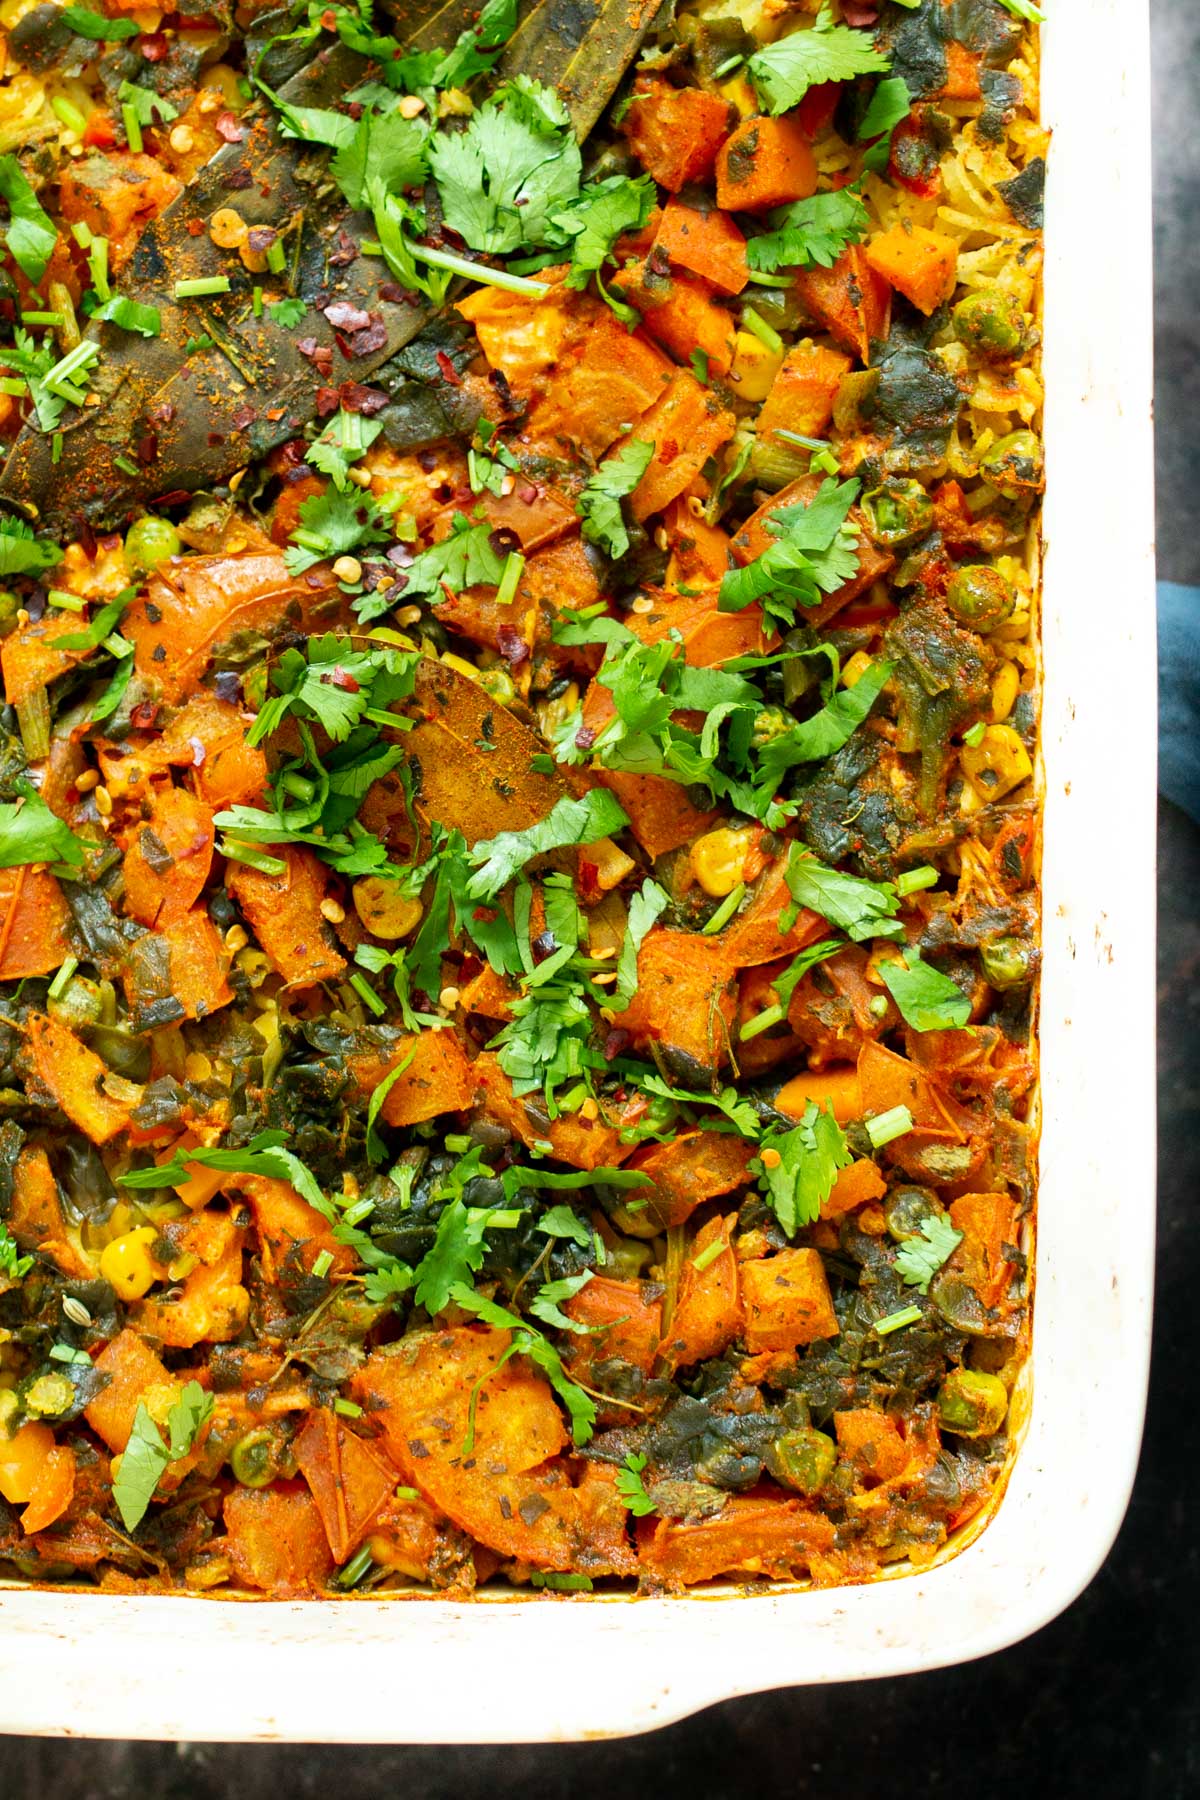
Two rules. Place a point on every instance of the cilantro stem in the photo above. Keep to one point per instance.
(41, 318)
(70, 115)
(766, 334)
(462, 265)
(726, 910)
(356, 1568)
(908, 1315)
(133, 129)
(913, 880)
(58, 986)
(514, 568)
(68, 602)
(367, 995)
(763, 1021)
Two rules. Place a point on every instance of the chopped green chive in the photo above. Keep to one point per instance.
(126, 465)
(763, 1021)
(253, 859)
(58, 986)
(913, 880)
(133, 129)
(356, 1568)
(728, 66)
(12, 384)
(348, 1408)
(56, 447)
(361, 1209)
(68, 602)
(82, 234)
(98, 266)
(709, 1254)
(367, 995)
(726, 910)
(775, 281)
(766, 334)
(201, 285)
(42, 318)
(67, 1353)
(256, 302)
(514, 567)
(908, 1315)
(407, 1493)
(116, 645)
(974, 737)
(885, 1126)
(561, 1584)
(299, 787)
(805, 443)
(322, 1264)
(276, 259)
(70, 115)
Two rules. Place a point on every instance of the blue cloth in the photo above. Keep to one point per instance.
(1179, 695)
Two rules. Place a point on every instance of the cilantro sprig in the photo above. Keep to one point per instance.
(569, 822)
(31, 833)
(815, 552)
(146, 1457)
(797, 1168)
(928, 1000)
(810, 231)
(918, 1259)
(784, 71)
(599, 505)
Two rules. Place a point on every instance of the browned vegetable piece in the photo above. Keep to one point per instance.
(95, 1100)
(34, 923)
(349, 1481)
(708, 1312)
(750, 1535)
(675, 133)
(293, 1233)
(685, 1001)
(133, 1372)
(167, 858)
(835, 1009)
(787, 1301)
(211, 1304)
(756, 535)
(623, 1323)
(584, 1143)
(850, 300)
(284, 912)
(694, 1167)
(439, 1079)
(276, 1541)
(686, 425)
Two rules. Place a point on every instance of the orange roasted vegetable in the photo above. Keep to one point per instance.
(708, 1311)
(168, 858)
(34, 923)
(765, 163)
(694, 1167)
(276, 1541)
(437, 1077)
(284, 913)
(93, 1098)
(922, 265)
(680, 313)
(623, 1324)
(751, 1535)
(685, 1001)
(787, 1301)
(348, 1480)
(134, 1373)
(850, 300)
(686, 425)
(707, 243)
(801, 398)
(675, 133)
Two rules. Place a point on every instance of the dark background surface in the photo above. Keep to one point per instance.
(1103, 1702)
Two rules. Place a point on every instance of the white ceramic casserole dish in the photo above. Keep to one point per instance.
(559, 1668)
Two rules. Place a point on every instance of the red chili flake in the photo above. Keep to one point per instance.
(162, 414)
(356, 397)
(245, 415)
(345, 317)
(373, 337)
(428, 460)
(615, 1044)
(154, 46)
(329, 19)
(215, 438)
(860, 12)
(345, 253)
(392, 291)
(585, 737)
(355, 109)
(146, 450)
(230, 127)
(176, 497)
(85, 537)
(527, 493)
(319, 355)
(260, 238)
(341, 678)
(327, 401)
(195, 227)
(236, 178)
(142, 716)
(449, 372)
(512, 646)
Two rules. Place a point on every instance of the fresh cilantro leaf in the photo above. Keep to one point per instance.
(393, 218)
(728, 1101)
(645, 907)
(786, 984)
(570, 821)
(379, 1093)
(288, 312)
(862, 909)
(88, 24)
(810, 231)
(386, 148)
(29, 235)
(148, 107)
(459, 1247)
(103, 622)
(21, 552)
(601, 213)
(599, 505)
(528, 1341)
(630, 1487)
(31, 833)
(827, 730)
(928, 1000)
(815, 553)
(347, 437)
(515, 165)
(809, 1157)
(333, 523)
(131, 315)
(918, 1259)
(545, 1303)
(561, 1222)
(890, 103)
(312, 124)
(146, 1456)
(14, 1266)
(474, 53)
(387, 1283)
(784, 71)
(335, 685)
(467, 558)
(264, 1155)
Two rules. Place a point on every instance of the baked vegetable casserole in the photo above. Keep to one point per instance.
(518, 818)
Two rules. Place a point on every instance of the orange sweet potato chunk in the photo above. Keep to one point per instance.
(133, 1369)
(675, 133)
(77, 1078)
(765, 163)
(439, 1079)
(276, 1541)
(787, 1301)
(284, 912)
(686, 425)
(708, 243)
(694, 1167)
(751, 1535)
(708, 1312)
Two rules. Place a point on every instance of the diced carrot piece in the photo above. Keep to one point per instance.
(850, 300)
(694, 1167)
(558, 578)
(679, 311)
(922, 264)
(708, 1312)
(133, 1371)
(802, 394)
(787, 1301)
(623, 1324)
(766, 162)
(686, 425)
(838, 1091)
(699, 551)
(347, 1479)
(167, 858)
(708, 243)
(276, 1541)
(854, 1187)
(77, 1078)
(685, 999)
(871, 1440)
(675, 133)
(751, 1534)
(284, 912)
(987, 1222)
(34, 923)
(53, 1492)
(439, 1079)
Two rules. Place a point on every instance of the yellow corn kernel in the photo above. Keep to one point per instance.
(997, 764)
(385, 911)
(856, 668)
(1005, 689)
(739, 93)
(719, 859)
(461, 664)
(126, 1263)
(754, 367)
(22, 1460)
(227, 228)
(223, 83)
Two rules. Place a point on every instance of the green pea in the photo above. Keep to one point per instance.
(80, 1003)
(1006, 962)
(906, 1209)
(1015, 465)
(898, 512)
(980, 596)
(252, 1459)
(972, 1404)
(802, 1459)
(149, 542)
(990, 322)
(497, 682)
(50, 1395)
